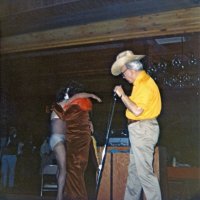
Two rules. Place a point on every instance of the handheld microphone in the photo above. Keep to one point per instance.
(115, 96)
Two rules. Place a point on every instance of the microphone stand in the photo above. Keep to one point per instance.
(101, 166)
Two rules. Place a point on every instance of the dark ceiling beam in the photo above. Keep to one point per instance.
(159, 24)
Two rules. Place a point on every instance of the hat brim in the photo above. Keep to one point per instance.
(116, 68)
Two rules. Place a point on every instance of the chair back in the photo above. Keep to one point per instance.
(50, 170)
(48, 179)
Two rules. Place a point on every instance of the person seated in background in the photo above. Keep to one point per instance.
(46, 155)
(28, 166)
(58, 134)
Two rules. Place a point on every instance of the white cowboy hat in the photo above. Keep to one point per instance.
(122, 59)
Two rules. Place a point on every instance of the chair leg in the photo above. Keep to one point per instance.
(41, 190)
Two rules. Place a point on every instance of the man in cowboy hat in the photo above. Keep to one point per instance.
(143, 107)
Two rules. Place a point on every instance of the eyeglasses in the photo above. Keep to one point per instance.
(124, 72)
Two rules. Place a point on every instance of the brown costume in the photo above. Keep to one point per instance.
(78, 137)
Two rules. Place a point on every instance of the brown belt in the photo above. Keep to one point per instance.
(130, 121)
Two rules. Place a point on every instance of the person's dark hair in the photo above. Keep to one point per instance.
(60, 95)
(72, 88)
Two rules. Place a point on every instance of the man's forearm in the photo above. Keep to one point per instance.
(131, 106)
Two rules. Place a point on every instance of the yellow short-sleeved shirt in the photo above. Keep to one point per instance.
(146, 95)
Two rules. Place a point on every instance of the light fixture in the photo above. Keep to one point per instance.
(176, 62)
(162, 65)
(192, 60)
(170, 40)
(178, 71)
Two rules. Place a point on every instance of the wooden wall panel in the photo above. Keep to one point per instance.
(115, 173)
(120, 173)
(33, 78)
(166, 23)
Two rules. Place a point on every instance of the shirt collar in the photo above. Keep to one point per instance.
(141, 75)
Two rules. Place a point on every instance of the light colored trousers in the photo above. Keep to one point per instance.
(143, 137)
(8, 170)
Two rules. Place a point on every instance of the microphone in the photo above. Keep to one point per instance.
(115, 96)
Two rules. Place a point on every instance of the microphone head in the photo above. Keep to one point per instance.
(115, 96)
